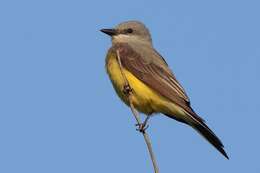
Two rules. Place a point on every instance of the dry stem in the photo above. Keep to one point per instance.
(137, 116)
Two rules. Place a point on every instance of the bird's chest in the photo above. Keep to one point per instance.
(115, 75)
(141, 93)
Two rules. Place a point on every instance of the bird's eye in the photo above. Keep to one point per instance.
(129, 30)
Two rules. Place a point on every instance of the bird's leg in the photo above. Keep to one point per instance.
(143, 126)
(127, 90)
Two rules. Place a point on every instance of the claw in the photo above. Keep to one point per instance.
(127, 89)
(142, 127)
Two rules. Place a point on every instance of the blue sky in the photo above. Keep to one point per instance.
(59, 112)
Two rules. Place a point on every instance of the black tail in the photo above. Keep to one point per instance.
(205, 131)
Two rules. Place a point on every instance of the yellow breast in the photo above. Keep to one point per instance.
(144, 98)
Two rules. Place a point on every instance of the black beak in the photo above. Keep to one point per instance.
(110, 32)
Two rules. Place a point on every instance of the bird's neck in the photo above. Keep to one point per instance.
(130, 40)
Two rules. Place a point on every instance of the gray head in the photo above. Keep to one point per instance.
(129, 31)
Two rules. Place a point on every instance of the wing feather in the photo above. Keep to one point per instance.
(154, 72)
(155, 75)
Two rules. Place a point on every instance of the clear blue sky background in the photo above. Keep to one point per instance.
(58, 110)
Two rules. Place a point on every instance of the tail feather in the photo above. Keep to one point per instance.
(204, 130)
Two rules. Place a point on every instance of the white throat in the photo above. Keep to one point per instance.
(121, 38)
(126, 38)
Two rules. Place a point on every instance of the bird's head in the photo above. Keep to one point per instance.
(128, 32)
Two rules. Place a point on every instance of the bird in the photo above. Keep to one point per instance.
(153, 85)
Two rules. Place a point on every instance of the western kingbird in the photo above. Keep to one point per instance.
(154, 86)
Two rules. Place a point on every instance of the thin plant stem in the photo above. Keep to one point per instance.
(137, 116)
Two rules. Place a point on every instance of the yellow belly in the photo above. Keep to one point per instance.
(144, 99)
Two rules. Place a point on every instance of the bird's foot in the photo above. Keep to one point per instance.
(142, 127)
(127, 89)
